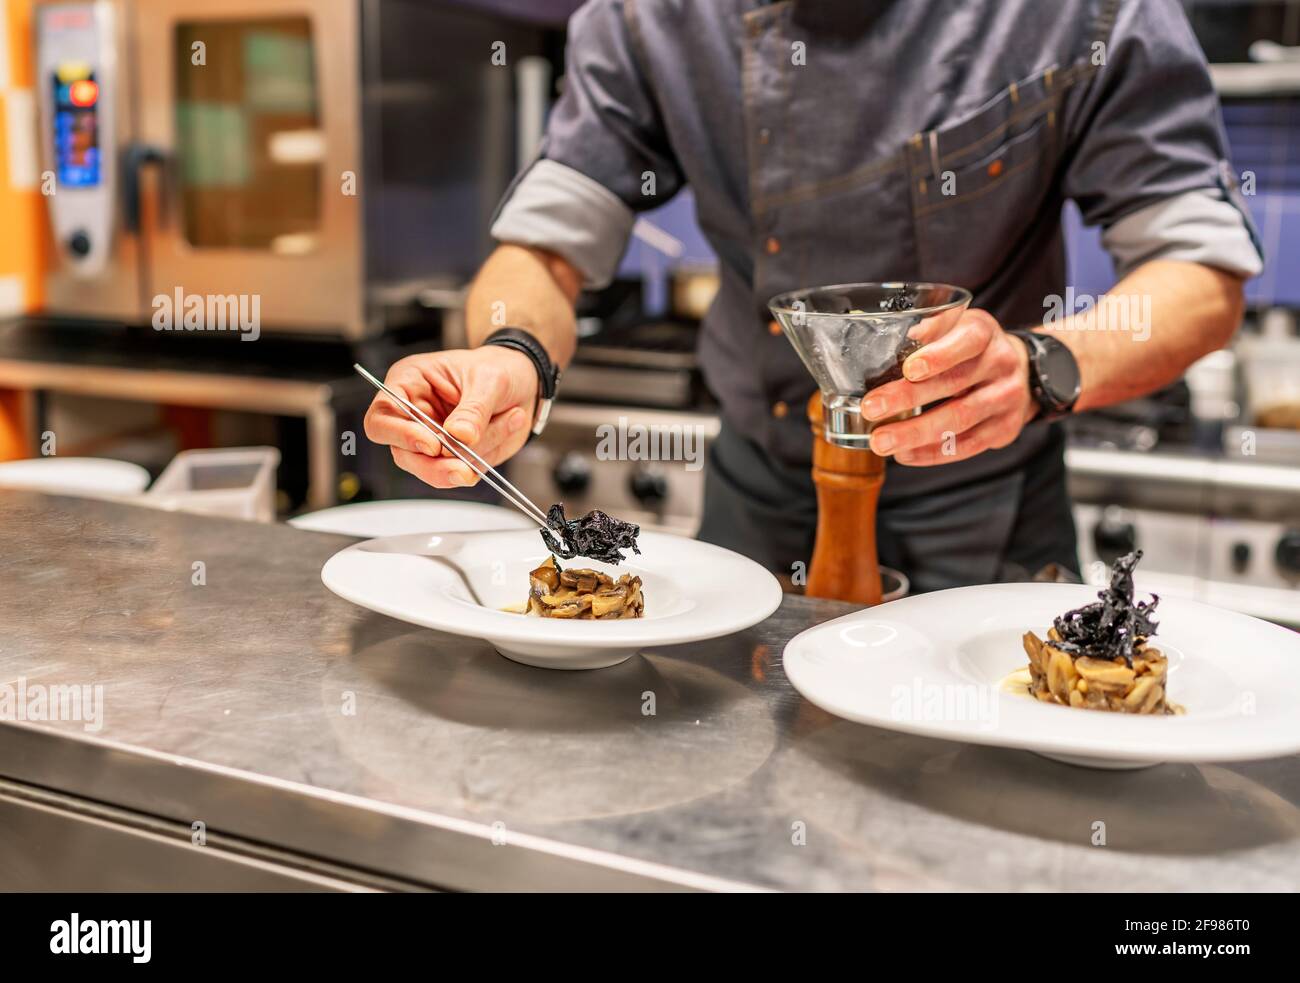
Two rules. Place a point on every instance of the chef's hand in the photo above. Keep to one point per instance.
(485, 397)
(982, 375)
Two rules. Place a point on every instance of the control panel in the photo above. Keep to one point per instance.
(76, 79)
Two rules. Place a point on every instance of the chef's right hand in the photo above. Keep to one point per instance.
(485, 397)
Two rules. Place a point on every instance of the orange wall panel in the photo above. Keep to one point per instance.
(22, 251)
(22, 227)
(20, 49)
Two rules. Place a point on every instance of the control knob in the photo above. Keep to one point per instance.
(1288, 553)
(79, 243)
(1114, 535)
(572, 474)
(648, 486)
(1240, 556)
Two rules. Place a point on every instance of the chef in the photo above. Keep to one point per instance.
(846, 140)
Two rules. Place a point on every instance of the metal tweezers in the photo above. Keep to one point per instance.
(489, 474)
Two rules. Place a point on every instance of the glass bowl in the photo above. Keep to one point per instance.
(854, 337)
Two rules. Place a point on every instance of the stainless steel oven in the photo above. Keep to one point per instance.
(334, 159)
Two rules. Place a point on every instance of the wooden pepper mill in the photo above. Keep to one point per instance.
(844, 562)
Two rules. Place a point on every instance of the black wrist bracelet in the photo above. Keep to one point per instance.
(548, 376)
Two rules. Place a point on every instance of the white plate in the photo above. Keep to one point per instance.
(405, 515)
(91, 477)
(934, 664)
(692, 591)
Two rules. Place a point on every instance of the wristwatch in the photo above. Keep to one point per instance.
(548, 375)
(1053, 374)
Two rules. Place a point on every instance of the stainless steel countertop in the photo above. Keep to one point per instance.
(226, 703)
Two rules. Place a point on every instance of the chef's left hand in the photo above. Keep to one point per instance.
(982, 375)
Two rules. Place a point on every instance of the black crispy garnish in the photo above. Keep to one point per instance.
(895, 371)
(1111, 626)
(900, 301)
(595, 535)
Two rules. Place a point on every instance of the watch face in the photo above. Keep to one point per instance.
(1058, 372)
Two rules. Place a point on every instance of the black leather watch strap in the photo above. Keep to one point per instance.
(548, 376)
(523, 341)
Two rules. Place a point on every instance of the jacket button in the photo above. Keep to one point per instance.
(995, 168)
(779, 410)
(772, 245)
(774, 327)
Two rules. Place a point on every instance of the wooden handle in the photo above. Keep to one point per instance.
(844, 563)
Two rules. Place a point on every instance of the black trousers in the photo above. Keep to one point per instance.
(1004, 528)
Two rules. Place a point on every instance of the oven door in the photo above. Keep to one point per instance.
(252, 110)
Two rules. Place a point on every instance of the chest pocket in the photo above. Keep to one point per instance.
(981, 183)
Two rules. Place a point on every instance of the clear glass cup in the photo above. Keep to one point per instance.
(854, 337)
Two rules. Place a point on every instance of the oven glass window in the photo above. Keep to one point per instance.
(248, 134)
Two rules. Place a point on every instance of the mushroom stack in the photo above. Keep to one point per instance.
(1098, 684)
(1097, 657)
(584, 594)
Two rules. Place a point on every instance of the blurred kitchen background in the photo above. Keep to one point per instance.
(341, 159)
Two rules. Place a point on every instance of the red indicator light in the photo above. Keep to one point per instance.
(83, 93)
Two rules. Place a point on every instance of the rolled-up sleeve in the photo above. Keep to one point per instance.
(1148, 158)
(1196, 227)
(605, 155)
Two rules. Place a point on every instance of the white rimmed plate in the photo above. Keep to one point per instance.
(692, 591)
(403, 515)
(935, 664)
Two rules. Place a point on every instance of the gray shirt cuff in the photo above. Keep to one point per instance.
(1196, 227)
(559, 209)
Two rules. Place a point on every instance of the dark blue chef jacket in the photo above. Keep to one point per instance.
(849, 140)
